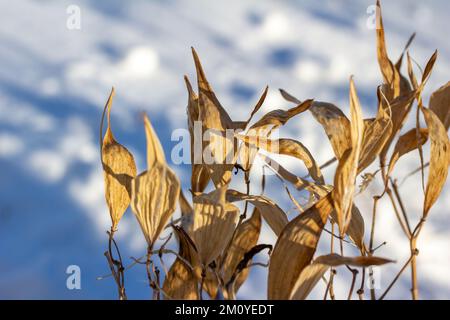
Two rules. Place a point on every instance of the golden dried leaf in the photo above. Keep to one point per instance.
(333, 121)
(154, 198)
(440, 104)
(213, 225)
(355, 229)
(256, 108)
(155, 152)
(400, 108)
(288, 147)
(335, 124)
(439, 159)
(428, 69)
(411, 74)
(307, 280)
(376, 134)
(200, 175)
(181, 282)
(405, 144)
(298, 182)
(316, 270)
(398, 64)
(346, 172)
(155, 192)
(271, 212)
(390, 74)
(247, 235)
(295, 248)
(119, 169)
(276, 118)
(335, 260)
(264, 128)
(215, 120)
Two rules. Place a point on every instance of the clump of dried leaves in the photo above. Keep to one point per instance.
(217, 242)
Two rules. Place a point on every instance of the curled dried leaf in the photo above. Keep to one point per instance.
(346, 172)
(333, 121)
(405, 144)
(400, 108)
(355, 229)
(295, 248)
(288, 147)
(439, 159)
(155, 152)
(440, 104)
(256, 108)
(271, 212)
(215, 121)
(264, 127)
(213, 225)
(247, 235)
(276, 118)
(299, 183)
(390, 74)
(200, 175)
(181, 282)
(307, 280)
(412, 77)
(376, 134)
(316, 270)
(335, 260)
(119, 169)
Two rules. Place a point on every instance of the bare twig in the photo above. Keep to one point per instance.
(396, 278)
(372, 237)
(352, 286)
(116, 266)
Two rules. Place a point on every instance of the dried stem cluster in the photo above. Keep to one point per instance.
(217, 242)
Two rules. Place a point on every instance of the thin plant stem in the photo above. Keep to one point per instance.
(116, 266)
(396, 278)
(149, 268)
(330, 287)
(397, 213)
(372, 236)
(361, 288)
(414, 253)
(352, 286)
(402, 206)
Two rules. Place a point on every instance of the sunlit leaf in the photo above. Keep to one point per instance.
(346, 172)
(295, 249)
(439, 159)
(440, 104)
(271, 212)
(118, 170)
(316, 270)
(213, 225)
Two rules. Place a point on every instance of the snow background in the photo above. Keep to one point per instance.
(54, 83)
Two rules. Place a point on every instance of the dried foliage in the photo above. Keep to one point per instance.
(218, 242)
(118, 170)
(155, 191)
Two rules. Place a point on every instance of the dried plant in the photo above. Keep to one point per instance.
(217, 243)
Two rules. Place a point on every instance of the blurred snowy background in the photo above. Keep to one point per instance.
(54, 82)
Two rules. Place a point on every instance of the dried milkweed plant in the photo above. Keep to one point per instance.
(218, 231)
